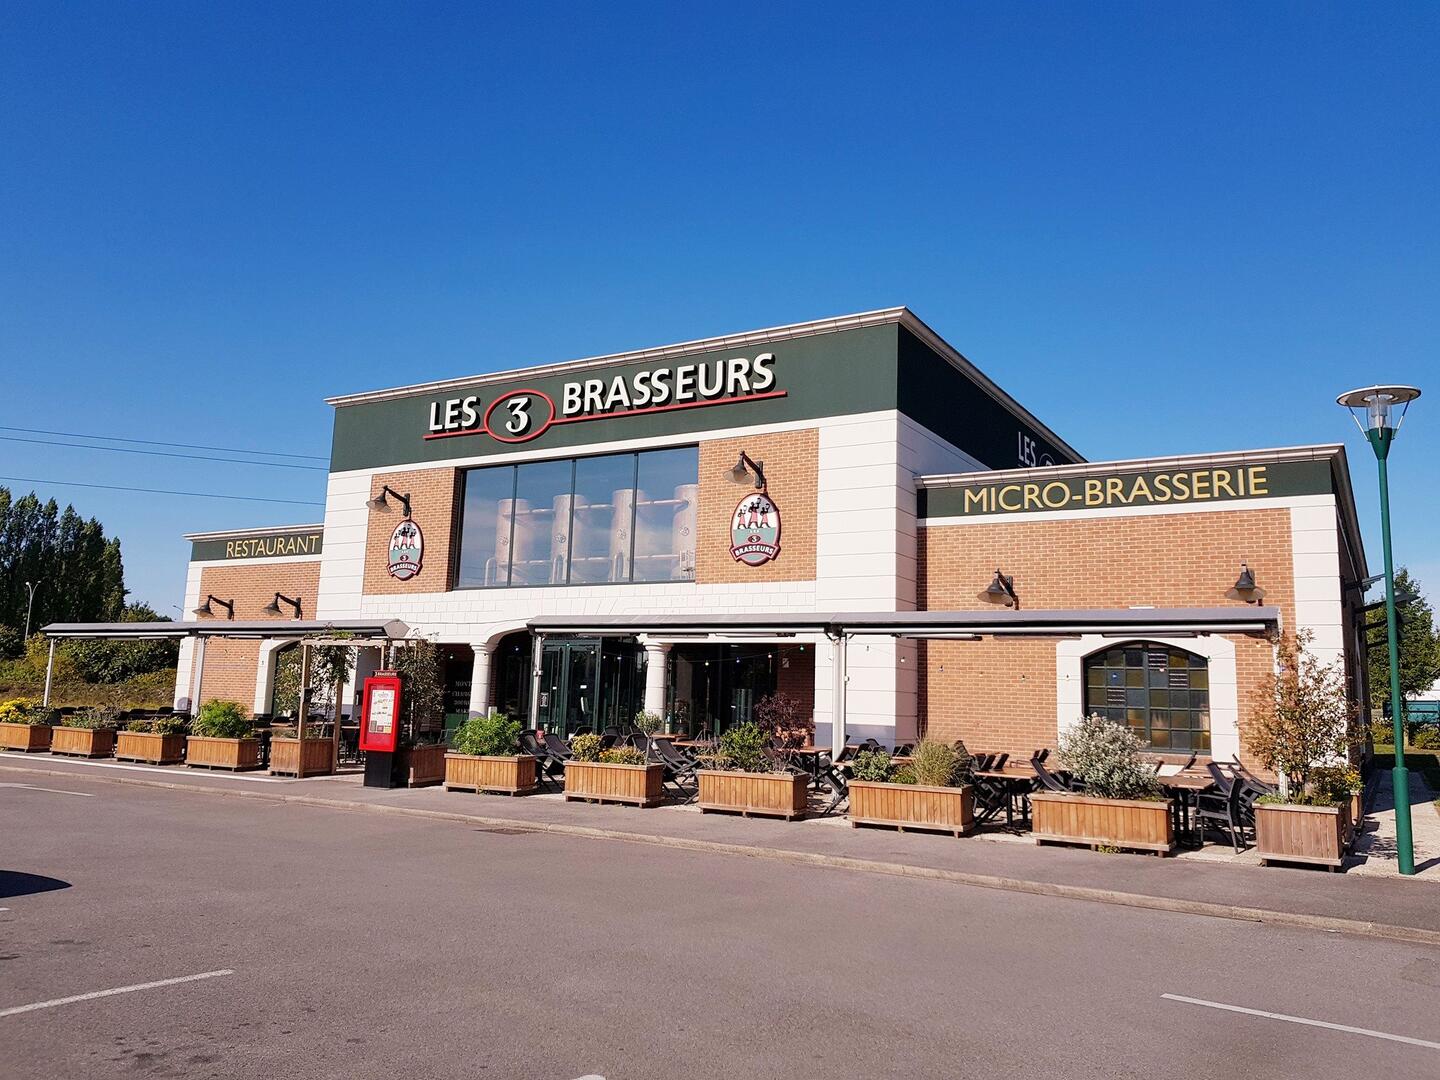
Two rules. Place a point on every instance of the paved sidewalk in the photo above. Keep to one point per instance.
(1375, 847)
(1007, 860)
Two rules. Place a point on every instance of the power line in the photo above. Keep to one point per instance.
(157, 491)
(161, 453)
(157, 442)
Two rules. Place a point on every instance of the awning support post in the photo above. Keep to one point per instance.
(49, 673)
(303, 713)
(837, 695)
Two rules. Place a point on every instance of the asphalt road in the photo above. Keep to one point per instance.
(361, 945)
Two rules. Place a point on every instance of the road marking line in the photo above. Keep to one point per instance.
(116, 990)
(1303, 1020)
(53, 791)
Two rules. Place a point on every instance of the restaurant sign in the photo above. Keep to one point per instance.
(755, 530)
(258, 546)
(521, 415)
(1160, 487)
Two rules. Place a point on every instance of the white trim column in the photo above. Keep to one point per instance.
(657, 658)
(265, 672)
(837, 700)
(480, 677)
(197, 673)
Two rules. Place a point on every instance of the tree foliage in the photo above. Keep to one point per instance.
(79, 570)
(1419, 646)
(1302, 714)
(109, 660)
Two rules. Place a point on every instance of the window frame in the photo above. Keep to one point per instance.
(1096, 661)
(514, 467)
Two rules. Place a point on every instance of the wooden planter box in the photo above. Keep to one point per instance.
(82, 742)
(26, 738)
(150, 747)
(422, 765)
(1357, 816)
(782, 795)
(285, 757)
(598, 781)
(204, 752)
(1133, 824)
(1316, 835)
(911, 806)
(507, 775)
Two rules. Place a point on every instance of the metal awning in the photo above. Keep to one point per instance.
(921, 624)
(392, 629)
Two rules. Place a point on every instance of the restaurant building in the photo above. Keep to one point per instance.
(847, 512)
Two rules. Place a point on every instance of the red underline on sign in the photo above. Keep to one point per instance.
(623, 412)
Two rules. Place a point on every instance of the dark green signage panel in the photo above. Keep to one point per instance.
(1157, 487)
(258, 546)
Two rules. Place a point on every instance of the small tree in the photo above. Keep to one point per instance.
(423, 702)
(648, 723)
(784, 721)
(1108, 758)
(1302, 715)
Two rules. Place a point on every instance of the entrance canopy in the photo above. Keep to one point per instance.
(927, 624)
(229, 628)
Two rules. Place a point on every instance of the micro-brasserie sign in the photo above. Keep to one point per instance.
(521, 415)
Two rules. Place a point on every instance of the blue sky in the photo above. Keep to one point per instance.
(1163, 229)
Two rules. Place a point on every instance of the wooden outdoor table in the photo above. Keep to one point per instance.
(1181, 788)
(1010, 780)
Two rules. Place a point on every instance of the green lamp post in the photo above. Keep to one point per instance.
(1377, 403)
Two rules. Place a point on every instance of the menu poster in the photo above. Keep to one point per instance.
(380, 726)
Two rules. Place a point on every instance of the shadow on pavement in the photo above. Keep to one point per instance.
(18, 883)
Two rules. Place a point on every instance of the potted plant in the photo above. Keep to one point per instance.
(420, 753)
(88, 733)
(485, 755)
(1343, 785)
(1301, 724)
(742, 776)
(160, 741)
(1120, 805)
(421, 760)
(221, 738)
(932, 791)
(24, 725)
(289, 752)
(620, 774)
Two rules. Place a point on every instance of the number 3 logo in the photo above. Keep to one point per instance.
(527, 414)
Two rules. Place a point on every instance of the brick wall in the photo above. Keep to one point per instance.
(435, 504)
(229, 671)
(797, 680)
(792, 460)
(1000, 694)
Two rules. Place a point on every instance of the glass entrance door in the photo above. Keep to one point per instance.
(569, 671)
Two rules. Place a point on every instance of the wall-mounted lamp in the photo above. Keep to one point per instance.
(206, 609)
(741, 472)
(1245, 588)
(273, 608)
(379, 502)
(1001, 590)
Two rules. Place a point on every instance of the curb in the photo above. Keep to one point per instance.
(1409, 934)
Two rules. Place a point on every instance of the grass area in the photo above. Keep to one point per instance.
(152, 691)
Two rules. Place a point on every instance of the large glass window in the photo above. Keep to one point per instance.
(1161, 694)
(580, 521)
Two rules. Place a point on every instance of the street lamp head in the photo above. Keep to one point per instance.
(1378, 403)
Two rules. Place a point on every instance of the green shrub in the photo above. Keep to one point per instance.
(222, 720)
(1106, 757)
(27, 711)
(100, 718)
(160, 725)
(493, 735)
(648, 723)
(586, 747)
(939, 764)
(622, 755)
(1335, 783)
(743, 749)
(903, 774)
(1382, 733)
(873, 766)
(1426, 737)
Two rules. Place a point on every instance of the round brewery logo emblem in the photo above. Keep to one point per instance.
(755, 530)
(407, 547)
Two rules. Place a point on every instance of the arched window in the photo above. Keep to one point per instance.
(1159, 692)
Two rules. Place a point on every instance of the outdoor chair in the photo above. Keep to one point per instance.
(582, 731)
(1251, 779)
(999, 761)
(1222, 811)
(1053, 781)
(679, 770)
(982, 762)
(906, 750)
(545, 763)
(834, 775)
(557, 747)
(1041, 755)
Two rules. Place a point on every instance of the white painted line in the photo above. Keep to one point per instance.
(173, 770)
(53, 791)
(117, 990)
(1303, 1020)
